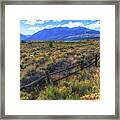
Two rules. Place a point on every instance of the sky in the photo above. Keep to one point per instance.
(29, 27)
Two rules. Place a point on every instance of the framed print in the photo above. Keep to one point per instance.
(60, 60)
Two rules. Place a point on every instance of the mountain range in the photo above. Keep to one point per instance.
(62, 33)
(24, 37)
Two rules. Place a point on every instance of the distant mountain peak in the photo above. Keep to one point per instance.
(24, 37)
(64, 33)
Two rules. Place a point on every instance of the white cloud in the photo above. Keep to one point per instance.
(73, 24)
(57, 20)
(34, 28)
(40, 21)
(33, 22)
(48, 27)
(30, 22)
(94, 26)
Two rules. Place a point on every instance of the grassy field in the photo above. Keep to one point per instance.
(38, 56)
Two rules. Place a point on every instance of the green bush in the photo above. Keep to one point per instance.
(26, 96)
(50, 44)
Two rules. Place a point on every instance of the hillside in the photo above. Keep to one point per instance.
(64, 33)
(24, 37)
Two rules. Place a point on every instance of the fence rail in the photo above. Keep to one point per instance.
(47, 78)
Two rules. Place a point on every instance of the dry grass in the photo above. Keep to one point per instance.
(38, 56)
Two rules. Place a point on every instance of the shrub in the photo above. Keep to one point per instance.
(25, 96)
(50, 44)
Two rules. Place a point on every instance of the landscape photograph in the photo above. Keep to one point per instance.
(59, 59)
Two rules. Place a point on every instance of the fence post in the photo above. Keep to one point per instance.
(82, 65)
(96, 60)
(48, 77)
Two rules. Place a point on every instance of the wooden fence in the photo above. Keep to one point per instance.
(46, 79)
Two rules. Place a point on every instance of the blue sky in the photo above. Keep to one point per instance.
(29, 27)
